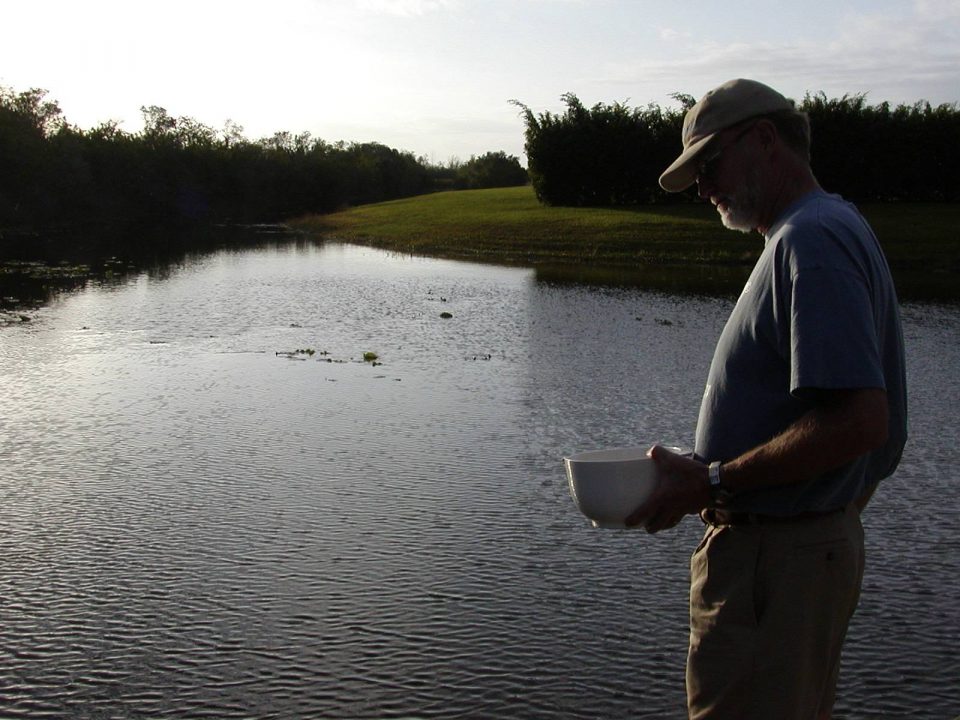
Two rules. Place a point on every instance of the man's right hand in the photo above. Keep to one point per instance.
(683, 488)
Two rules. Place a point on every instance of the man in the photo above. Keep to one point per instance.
(803, 414)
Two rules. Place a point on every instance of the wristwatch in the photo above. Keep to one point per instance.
(719, 495)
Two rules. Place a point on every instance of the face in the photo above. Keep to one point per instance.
(732, 183)
(740, 208)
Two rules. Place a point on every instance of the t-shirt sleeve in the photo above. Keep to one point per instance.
(833, 341)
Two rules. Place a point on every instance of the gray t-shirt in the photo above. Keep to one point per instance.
(818, 312)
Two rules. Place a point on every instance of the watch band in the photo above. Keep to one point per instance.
(718, 494)
(713, 471)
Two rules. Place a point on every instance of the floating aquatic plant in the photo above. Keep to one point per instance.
(294, 354)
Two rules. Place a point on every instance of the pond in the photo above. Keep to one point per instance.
(211, 505)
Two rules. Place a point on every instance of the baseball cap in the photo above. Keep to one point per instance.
(723, 107)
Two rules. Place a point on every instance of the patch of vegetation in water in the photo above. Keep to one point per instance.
(44, 271)
(307, 353)
(13, 318)
(26, 284)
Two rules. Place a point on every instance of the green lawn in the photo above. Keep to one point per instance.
(510, 226)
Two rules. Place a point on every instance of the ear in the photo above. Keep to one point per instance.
(767, 134)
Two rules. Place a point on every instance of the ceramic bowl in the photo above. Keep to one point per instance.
(608, 485)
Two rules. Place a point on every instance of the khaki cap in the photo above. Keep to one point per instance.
(723, 107)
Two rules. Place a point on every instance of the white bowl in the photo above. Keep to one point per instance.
(608, 485)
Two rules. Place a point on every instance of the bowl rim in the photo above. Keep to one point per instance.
(598, 454)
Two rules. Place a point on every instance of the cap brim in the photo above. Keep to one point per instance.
(682, 173)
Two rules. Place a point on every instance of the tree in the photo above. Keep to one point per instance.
(877, 153)
(31, 106)
(492, 169)
(604, 155)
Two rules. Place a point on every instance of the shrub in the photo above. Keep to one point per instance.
(491, 170)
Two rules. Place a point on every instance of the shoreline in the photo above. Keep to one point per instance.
(678, 248)
(509, 226)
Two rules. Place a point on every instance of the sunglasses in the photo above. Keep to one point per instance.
(708, 167)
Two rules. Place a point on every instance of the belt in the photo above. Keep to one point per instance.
(717, 516)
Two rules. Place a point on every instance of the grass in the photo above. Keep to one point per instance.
(509, 226)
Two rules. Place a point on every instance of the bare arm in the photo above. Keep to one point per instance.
(843, 425)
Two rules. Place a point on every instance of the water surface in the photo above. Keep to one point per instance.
(196, 520)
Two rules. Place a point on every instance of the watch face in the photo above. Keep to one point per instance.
(714, 474)
(718, 494)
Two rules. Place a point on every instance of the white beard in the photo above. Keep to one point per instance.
(740, 211)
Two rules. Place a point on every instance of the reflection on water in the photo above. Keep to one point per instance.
(198, 521)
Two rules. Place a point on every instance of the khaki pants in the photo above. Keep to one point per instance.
(769, 606)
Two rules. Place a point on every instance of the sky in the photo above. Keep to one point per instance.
(436, 77)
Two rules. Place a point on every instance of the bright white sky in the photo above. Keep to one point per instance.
(434, 77)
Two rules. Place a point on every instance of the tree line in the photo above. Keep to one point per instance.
(612, 154)
(178, 171)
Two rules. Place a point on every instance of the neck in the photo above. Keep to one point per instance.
(785, 188)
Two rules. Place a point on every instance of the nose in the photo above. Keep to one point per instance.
(703, 187)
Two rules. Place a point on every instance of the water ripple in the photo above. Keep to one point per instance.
(194, 526)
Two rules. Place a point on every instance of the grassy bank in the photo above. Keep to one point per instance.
(509, 226)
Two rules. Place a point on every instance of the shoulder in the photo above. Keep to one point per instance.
(821, 231)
